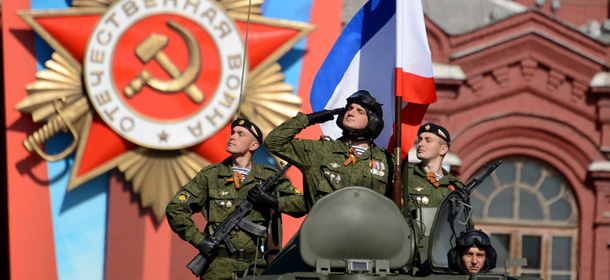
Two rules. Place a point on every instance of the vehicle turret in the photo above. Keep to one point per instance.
(366, 235)
(356, 233)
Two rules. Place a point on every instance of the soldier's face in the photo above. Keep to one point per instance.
(473, 259)
(430, 146)
(355, 118)
(241, 141)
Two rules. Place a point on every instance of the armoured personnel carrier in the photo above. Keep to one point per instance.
(356, 233)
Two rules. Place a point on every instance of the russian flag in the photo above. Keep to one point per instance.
(383, 49)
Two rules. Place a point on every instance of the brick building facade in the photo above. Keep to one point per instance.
(527, 82)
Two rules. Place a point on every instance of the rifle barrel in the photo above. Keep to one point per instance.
(477, 181)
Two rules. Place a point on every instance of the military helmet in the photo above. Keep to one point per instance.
(472, 238)
(373, 111)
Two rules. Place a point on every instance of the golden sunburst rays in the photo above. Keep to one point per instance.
(58, 81)
(268, 100)
(232, 6)
(91, 3)
(157, 175)
(57, 98)
(242, 6)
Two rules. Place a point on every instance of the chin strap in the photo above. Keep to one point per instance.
(355, 135)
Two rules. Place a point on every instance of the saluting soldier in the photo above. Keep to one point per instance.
(351, 160)
(428, 182)
(217, 189)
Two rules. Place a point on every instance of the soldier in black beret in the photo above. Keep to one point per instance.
(215, 192)
(426, 184)
(436, 129)
(251, 127)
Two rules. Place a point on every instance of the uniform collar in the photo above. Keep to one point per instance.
(419, 169)
(378, 154)
(227, 171)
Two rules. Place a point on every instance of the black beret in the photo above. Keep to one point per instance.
(250, 126)
(436, 130)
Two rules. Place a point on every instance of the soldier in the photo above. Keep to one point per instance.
(472, 254)
(217, 189)
(427, 183)
(351, 160)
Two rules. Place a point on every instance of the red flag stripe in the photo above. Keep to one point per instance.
(412, 116)
(414, 88)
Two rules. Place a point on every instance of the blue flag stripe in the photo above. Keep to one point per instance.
(361, 28)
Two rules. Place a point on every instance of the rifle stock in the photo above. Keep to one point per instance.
(199, 264)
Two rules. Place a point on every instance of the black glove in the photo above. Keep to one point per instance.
(208, 248)
(324, 115)
(259, 197)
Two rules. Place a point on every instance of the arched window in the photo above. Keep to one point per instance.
(529, 211)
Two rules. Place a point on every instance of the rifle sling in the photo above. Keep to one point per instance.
(252, 228)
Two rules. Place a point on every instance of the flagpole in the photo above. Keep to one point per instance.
(397, 185)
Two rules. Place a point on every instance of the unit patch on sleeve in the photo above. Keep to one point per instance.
(183, 196)
(295, 190)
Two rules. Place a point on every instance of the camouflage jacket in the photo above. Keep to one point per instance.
(212, 193)
(420, 188)
(323, 162)
(418, 185)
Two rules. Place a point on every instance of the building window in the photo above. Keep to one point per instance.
(529, 211)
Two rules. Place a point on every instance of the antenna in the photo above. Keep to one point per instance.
(243, 64)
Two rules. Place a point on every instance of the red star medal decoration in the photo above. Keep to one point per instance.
(150, 86)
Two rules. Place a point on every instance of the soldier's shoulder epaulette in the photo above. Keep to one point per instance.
(385, 151)
(454, 180)
(210, 167)
(325, 138)
(458, 183)
(412, 167)
(269, 168)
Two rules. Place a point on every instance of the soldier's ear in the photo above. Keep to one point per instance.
(444, 149)
(254, 145)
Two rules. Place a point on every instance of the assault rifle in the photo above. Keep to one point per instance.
(474, 183)
(236, 220)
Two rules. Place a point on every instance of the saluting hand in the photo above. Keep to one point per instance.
(324, 115)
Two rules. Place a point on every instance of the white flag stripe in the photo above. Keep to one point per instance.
(413, 53)
(372, 70)
(385, 35)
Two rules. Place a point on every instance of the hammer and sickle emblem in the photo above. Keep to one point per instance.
(152, 48)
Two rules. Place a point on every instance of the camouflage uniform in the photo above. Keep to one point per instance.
(213, 194)
(431, 197)
(322, 162)
(420, 186)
